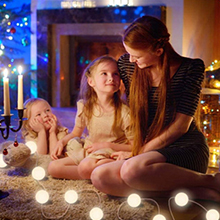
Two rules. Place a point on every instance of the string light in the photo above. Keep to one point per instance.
(32, 146)
(159, 217)
(2, 162)
(96, 213)
(38, 173)
(137, 202)
(42, 196)
(181, 199)
(71, 196)
(134, 200)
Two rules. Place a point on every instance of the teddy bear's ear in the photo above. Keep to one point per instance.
(5, 145)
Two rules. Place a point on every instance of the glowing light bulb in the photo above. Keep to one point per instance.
(32, 146)
(96, 213)
(42, 196)
(71, 196)
(134, 200)
(2, 162)
(212, 214)
(181, 199)
(38, 173)
(159, 217)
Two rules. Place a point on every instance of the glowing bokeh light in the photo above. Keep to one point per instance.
(38, 173)
(71, 196)
(212, 214)
(32, 146)
(2, 162)
(159, 217)
(134, 200)
(181, 199)
(96, 213)
(42, 196)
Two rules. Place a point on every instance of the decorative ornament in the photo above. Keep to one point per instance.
(15, 143)
(12, 30)
(5, 151)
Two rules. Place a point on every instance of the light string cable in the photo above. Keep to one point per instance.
(42, 186)
(211, 214)
(68, 207)
(142, 199)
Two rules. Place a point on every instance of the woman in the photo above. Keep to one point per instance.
(169, 151)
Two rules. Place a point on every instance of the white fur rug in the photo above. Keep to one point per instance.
(22, 205)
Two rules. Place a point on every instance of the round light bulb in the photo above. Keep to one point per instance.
(2, 162)
(71, 196)
(32, 146)
(38, 173)
(159, 217)
(96, 213)
(181, 199)
(42, 196)
(212, 214)
(134, 200)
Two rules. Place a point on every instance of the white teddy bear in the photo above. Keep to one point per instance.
(14, 153)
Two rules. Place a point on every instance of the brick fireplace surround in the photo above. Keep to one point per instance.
(70, 38)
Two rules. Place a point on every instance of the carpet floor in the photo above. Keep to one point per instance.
(22, 188)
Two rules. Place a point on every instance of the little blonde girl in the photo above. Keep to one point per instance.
(101, 112)
(41, 125)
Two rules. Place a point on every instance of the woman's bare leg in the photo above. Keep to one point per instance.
(149, 173)
(107, 179)
(64, 168)
(87, 165)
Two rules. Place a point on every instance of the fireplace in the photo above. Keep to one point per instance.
(68, 39)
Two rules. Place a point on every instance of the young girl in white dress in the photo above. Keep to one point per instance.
(106, 118)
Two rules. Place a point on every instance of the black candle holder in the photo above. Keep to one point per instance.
(7, 121)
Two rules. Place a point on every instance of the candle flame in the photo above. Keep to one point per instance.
(20, 69)
(5, 73)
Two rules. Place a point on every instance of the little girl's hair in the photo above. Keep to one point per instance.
(89, 96)
(26, 129)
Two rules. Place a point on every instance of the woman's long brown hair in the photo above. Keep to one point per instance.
(148, 33)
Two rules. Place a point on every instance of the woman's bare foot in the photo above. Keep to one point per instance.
(216, 182)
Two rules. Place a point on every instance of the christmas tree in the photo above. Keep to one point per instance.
(14, 43)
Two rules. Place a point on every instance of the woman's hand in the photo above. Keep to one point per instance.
(121, 155)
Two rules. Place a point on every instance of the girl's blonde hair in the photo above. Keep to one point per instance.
(89, 96)
(26, 129)
(148, 33)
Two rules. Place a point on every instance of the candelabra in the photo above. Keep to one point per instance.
(7, 121)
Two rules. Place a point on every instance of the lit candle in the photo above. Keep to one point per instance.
(20, 88)
(6, 93)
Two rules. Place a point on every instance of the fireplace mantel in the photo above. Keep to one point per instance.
(54, 27)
